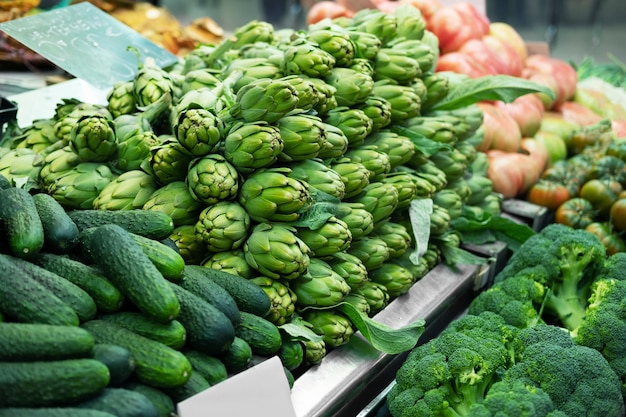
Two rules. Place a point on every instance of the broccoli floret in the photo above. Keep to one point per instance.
(604, 328)
(514, 398)
(516, 300)
(578, 379)
(565, 261)
(614, 267)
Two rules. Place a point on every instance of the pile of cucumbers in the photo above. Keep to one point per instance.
(100, 316)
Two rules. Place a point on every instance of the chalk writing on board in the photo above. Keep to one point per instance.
(87, 43)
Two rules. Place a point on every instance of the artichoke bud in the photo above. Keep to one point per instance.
(319, 176)
(270, 194)
(261, 49)
(371, 250)
(251, 146)
(252, 69)
(276, 251)
(437, 87)
(336, 43)
(17, 164)
(349, 267)
(332, 237)
(198, 130)
(420, 51)
(461, 187)
(397, 279)
(93, 138)
(223, 226)
(201, 78)
(211, 178)
(129, 191)
(64, 126)
(352, 87)
(396, 236)
(378, 110)
(362, 65)
(335, 142)
(405, 102)
(407, 188)
(175, 200)
(252, 32)
(151, 83)
(411, 22)
(433, 128)
(264, 100)
(396, 65)
(325, 92)
(303, 136)
(314, 352)
(308, 96)
(78, 187)
(189, 246)
(354, 175)
(302, 56)
(359, 220)
(439, 220)
(452, 162)
(359, 302)
(231, 261)
(381, 24)
(336, 329)
(367, 44)
(132, 152)
(169, 161)
(451, 201)
(319, 286)
(377, 163)
(121, 100)
(282, 299)
(38, 136)
(420, 88)
(400, 149)
(376, 295)
(353, 122)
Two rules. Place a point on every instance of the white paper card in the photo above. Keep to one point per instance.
(262, 391)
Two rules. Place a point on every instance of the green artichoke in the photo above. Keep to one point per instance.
(319, 286)
(270, 194)
(335, 143)
(248, 34)
(378, 110)
(93, 138)
(37, 136)
(223, 226)
(376, 22)
(175, 200)
(377, 162)
(367, 44)
(261, 49)
(433, 128)
(336, 329)
(16, 165)
(314, 351)
(380, 199)
(405, 102)
(264, 100)
(359, 220)
(335, 42)
(282, 299)
(302, 56)
(420, 51)
(211, 178)
(129, 191)
(168, 161)
(352, 87)
(349, 267)
(325, 92)
(198, 130)
(64, 125)
(359, 302)
(251, 146)
(397, 65)
(189, 246)
(199, 78)
(395, 278)
(410, 22)
(319, 176)
(308, 96)
(303, 136)
(451, 161)
(396, 236)
(121, 99)
(53, 166)
(231, 261)
(399, 149)
(371, 250)
(275, 250)
(376, 295)
(252, 69)
(449, 200)
(406, 184)
(363, 66)
(81, 185)
(151, 83)
(331, 237)
(354, 175)
(353, 122)
(437, 87)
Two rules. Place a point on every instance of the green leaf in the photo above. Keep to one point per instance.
(454, 256)
(300, 330)
(504, 88)
(382, 337)
(324, 207)
(501, 228)
(424, 145)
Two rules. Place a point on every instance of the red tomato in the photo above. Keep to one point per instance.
(507, 177)
(427, 7)
(563, 73)
(326, 9)
(511, 63)
(501, 128)
(507, 34)
(548, 194)
(479, 50)
(454, 25)
(461, 64)
(617, 214)
(611, 241)
(537, 152)
(577, 113)
(546, 80)
(576, 212)
(527, 111)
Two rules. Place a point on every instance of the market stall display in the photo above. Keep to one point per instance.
(281, 193)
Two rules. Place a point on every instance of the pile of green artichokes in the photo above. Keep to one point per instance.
(293, 158)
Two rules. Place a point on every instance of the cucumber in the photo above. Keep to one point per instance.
(208, 329)
(25, 300)
(261, 334)
(52, 412)
(159, 399)
(249, 296)
(22, 225)
(121, 403)
(194, 280)
(70, 293)
(106, 296)
(39, 342)
(123, 262)
(151, 224)
(195, 385)
(157, 365)
(238, 356)
(50, 383)
(166, 259)
(291, 354)
(118, 359)
(211, 368)
(172, 334)
(4, 182)
(60, 233)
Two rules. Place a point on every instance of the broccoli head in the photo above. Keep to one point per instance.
(578, 379)
(604, 328)
(513, 398)
(565, 261)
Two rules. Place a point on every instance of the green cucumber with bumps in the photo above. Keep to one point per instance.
(238, 356)
(249, 296)
(52, 412)
(22, 226)
(195, 385)
(163, 402)
(157, 365)
(117, 358)
(210, 367)
(164, 257)
(172, 334)
(60, 231)
(40, 342)
(106, 295)
(151, 224)
(24, 299)
(195, 280)
(113, 251)
(262, 335)
(51, 383)
(70, 293)
(121, 403)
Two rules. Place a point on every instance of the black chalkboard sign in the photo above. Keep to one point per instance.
(87, 43)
